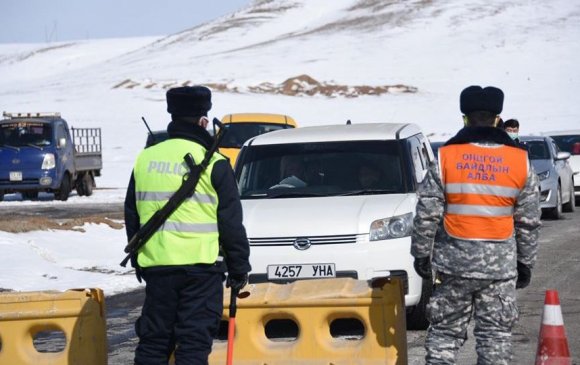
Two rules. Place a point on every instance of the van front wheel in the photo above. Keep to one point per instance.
(65, 187)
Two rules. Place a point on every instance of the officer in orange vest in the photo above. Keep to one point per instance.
(485, 193)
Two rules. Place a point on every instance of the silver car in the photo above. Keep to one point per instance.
(555, 173)
(569, 141)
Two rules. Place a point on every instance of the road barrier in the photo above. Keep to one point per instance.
(53, 328)
(318, 322)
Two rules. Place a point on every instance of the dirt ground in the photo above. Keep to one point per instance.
(43, 217)
(44, 224)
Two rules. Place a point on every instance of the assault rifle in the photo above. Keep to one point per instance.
(185, 191)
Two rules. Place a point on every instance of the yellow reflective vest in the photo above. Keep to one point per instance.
(190, 235)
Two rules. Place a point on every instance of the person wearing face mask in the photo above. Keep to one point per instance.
(512, 128)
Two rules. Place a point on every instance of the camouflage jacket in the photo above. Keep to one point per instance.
(475, 259)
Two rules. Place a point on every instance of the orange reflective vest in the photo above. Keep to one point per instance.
(482, 184)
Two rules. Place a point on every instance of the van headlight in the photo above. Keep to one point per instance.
(544, 175)
(48, 162)
(394, 227)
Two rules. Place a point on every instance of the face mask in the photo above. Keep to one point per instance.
(513, 135)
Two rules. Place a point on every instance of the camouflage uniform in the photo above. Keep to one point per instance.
(475, 276)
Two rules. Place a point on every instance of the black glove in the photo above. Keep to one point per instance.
(524, 276)
(423, 267)
(236, 281)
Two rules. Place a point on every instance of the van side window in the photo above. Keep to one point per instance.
(426, 149)
(427, 152)
(419, 157)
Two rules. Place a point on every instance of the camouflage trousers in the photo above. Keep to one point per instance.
(493, 306)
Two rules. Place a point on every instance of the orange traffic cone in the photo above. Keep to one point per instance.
(552, 343)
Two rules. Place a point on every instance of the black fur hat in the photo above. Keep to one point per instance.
(476, 98)
(189, 101)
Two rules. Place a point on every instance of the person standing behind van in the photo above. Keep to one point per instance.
(512, 128)
(182, 263)
(487, 196)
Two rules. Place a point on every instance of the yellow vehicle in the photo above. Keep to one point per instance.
(243, 126)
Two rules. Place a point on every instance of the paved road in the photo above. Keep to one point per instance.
(558, 267)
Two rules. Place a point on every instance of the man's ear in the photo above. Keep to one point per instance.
(496, 120)
(465, 121)
(203, 121)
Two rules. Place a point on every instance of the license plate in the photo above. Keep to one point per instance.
(15, 175)
(301, 271)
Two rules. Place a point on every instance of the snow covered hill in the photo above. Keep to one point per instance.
(411, 57)
(395, 61)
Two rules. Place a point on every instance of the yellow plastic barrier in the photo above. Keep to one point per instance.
(316, 307)
(77, 315)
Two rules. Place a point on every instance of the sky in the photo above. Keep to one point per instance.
(45, 21)
(529, 49)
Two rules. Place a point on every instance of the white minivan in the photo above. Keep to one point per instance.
(335, 201)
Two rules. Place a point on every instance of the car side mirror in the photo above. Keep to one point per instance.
(61, 143)
(562, 156)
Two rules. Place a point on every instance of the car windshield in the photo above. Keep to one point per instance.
(321, 169)
(238, 133)
(19, 134)
(570, 143)
(537, 150)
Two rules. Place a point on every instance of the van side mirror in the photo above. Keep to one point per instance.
(61, 143)
(562, 156)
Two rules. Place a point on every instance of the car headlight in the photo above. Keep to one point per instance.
(394, 227)
(544, 175)
(48, 162)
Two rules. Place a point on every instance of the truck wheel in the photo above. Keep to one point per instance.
(84, 184)
(30, 195)
(89, 183)
(417, 316)
(79, 185)
(64, 190)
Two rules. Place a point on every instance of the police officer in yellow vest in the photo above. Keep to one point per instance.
(184, 262)
(486, 195)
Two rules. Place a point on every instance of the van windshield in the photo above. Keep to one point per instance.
(238, 133)
(321, 169)
(19, 134)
